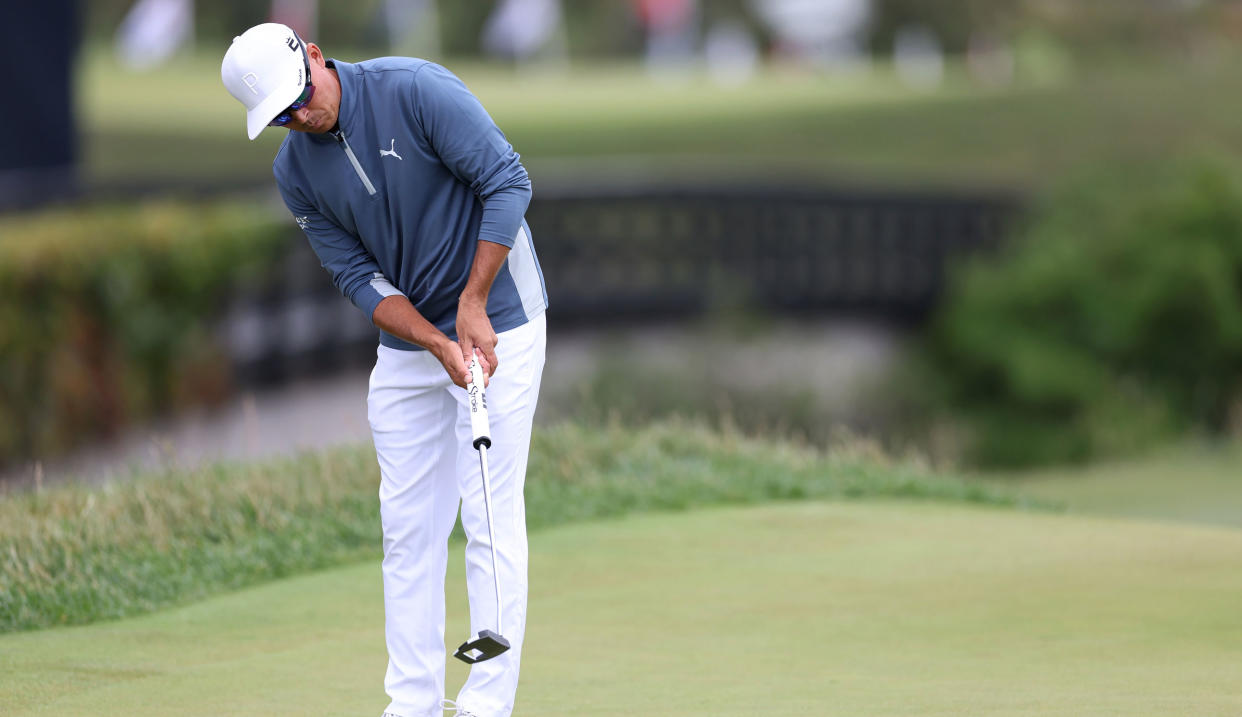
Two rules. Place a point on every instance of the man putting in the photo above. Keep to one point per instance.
(415, 202)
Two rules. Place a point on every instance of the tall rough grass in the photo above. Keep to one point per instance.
(76, 554)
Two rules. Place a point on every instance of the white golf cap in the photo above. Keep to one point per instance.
(265, 70)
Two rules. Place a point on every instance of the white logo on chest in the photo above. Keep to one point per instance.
(391, 151)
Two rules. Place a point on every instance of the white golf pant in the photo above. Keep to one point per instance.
(421, 426)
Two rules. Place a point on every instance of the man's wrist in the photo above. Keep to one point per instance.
(443, 343)
(470, 299)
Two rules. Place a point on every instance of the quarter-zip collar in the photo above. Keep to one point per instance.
(347, 75)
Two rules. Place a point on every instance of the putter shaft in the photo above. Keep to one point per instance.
(491, 530)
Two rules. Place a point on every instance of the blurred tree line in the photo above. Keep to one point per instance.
(611, 28)
(1087, 28)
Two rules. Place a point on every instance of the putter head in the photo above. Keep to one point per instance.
(485, 647)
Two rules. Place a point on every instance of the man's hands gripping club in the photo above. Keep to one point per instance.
(474, 329)
(475, 336)
(397, 316)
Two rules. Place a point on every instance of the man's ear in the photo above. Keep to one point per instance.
(315, 54)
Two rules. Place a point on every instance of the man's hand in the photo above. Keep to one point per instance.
(449, 355)
(474, 331)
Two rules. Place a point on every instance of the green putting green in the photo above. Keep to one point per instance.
(809, 609)
(1192, 482)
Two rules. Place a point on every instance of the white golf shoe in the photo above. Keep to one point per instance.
(444, 705)
(447, 704)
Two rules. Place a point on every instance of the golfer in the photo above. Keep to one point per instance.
(415, 202)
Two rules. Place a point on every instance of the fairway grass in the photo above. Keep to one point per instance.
(809, 608)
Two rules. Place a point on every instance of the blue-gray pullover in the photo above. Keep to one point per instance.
(396, 201)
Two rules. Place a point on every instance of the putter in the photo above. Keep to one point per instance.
(487, 644)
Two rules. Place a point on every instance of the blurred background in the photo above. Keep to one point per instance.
(999, 235)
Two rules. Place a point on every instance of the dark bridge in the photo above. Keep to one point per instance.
(682, 252)
(627, 256)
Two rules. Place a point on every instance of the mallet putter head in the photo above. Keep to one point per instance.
(485, 647)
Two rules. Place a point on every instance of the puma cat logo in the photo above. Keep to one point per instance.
(391, 151)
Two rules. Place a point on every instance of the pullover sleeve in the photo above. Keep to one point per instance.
(354, 270)
(474, 150)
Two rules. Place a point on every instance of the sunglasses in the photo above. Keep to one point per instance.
(303, 99)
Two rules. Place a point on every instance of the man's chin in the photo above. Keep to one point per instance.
(312, 128)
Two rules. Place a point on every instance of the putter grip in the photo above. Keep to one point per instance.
(478, 406)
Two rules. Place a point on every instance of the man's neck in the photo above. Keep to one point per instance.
(336, 79)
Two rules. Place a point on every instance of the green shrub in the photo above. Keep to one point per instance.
(105, 314)
(1115, 320)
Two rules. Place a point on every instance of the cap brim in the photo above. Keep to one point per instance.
(266, 111)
